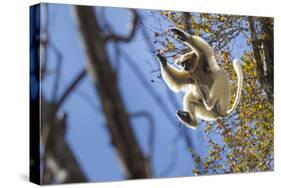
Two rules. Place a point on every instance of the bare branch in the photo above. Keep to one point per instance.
(256, 50)
(89, 100)
(268, 53)
(143, 80)
(44, 40)
(134, 163)
(58, 70)
(57, 150)
(172, 163)
(70, 88)
(151, 125)
(131, 33)
(59, 163)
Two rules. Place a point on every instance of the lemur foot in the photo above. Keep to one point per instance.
(185, 118)
(161, 59)
(180, 34)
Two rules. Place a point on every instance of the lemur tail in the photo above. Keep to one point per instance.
(238, 70)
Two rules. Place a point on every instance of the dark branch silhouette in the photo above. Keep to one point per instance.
(58, 161)
(134, 163)
(263, 53)
(70, 88)
(131, 33)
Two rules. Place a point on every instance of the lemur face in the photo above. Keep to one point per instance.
(188, 62)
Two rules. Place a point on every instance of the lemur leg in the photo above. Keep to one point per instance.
(210, 101)
(219, 93)
(203, 91)
(187, 115)
(202, 113)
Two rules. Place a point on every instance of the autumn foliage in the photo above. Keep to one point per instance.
(242, 142)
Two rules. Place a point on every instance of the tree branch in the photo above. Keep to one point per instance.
(130, 35)
(59, 161)
(70, 88)
(134, 163)
(256, 50)
(151, 124)
(57, 71)
(268, 52)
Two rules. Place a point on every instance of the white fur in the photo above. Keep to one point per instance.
(218, 96)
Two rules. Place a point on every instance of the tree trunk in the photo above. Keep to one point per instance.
(98, 66)
(263, 53)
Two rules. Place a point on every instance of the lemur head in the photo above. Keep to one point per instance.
(187, 61)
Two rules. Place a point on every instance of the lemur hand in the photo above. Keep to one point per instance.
(161, 59)
(180, 34)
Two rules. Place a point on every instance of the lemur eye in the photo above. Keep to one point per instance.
(184, 62)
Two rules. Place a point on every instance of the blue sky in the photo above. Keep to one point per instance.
(87, 134)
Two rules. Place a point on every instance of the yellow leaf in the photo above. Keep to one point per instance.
(180, 26)
(170, 46)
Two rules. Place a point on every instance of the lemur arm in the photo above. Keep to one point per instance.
(194, 42)
(199, 46)
(174, 78)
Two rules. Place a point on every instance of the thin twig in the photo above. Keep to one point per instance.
(151, 124)
(44, 40)
(143, 80)
(131, 33)
(171, 165)
(58, 70)
(89, 100)
(70, 88)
